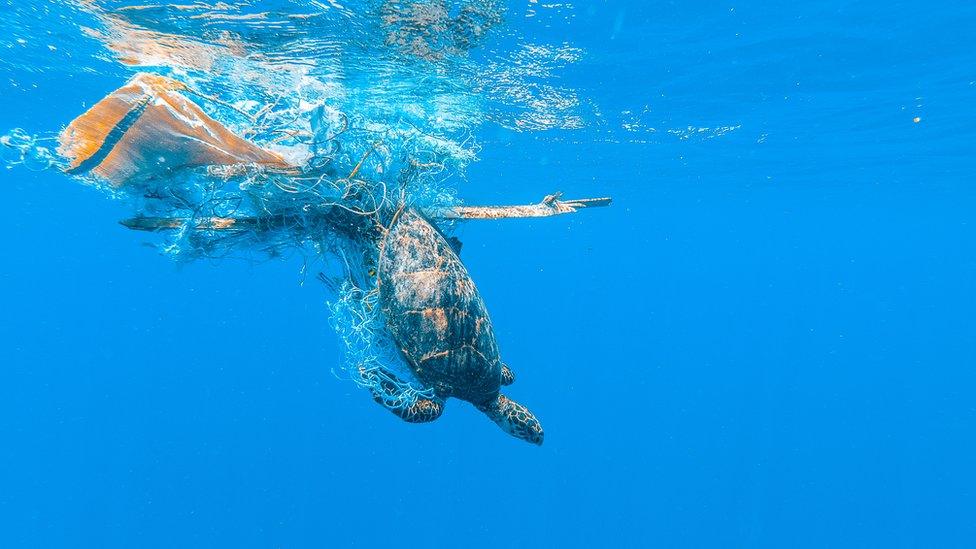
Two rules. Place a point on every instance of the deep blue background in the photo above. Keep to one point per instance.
(768, 341)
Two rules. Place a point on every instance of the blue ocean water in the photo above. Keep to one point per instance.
(767, 340)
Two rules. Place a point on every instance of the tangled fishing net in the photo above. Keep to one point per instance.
(369, 354)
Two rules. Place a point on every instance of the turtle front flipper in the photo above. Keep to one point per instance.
(514, 419)
(387, 392)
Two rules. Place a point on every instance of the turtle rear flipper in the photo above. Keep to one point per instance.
(423, 410)
(514, 419)
(387, 393)
(508, 376)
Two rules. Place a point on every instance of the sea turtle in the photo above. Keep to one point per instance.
(439, 321)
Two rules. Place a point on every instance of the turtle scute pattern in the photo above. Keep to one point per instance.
(435, 312)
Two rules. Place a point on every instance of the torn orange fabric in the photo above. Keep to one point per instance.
(149, 129)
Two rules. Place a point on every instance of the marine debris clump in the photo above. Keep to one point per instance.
(366, 192)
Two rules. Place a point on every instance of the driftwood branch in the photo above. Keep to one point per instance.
(200, 224)
(549, 206)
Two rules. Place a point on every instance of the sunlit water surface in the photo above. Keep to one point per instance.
(765, 342)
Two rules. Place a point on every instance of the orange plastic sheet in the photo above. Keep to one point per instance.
(149, 129)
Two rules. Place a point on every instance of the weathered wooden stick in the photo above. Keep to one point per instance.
(200, 224)
(550, 205)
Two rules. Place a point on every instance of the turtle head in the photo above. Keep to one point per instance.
(514, 419)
